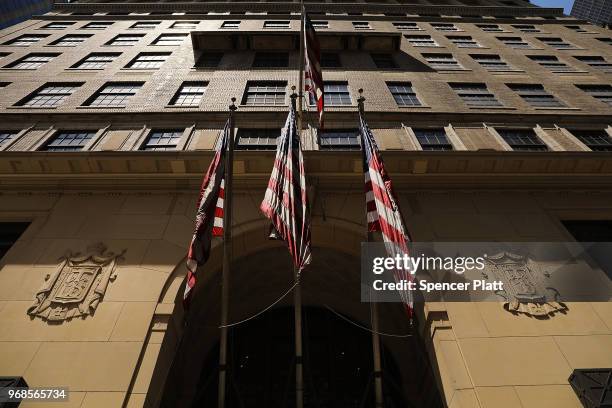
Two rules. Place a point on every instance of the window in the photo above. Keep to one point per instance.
(71, 40)
(271, 60)
(444, 27)
(26, 40)
(97, 25)
(596, 62)
(361, 25)
(58, 25)
(407, 26)
(257, 139)
(115, 94)
(49, 95)
(125, 40)
(442, 61)
(421, 41)
(557, 43)
(170, 39)
(475, 94)
(576, 28)
(464, 41)
(341, 139)
(526, 28)
(232, 24)
(32, 61)
(551, 62)
(6, 136)
(69, 141)
(320, 24)
(209, 60)
(330, 60)
(535, 95)
(278, 24)
(163, 139)
(189, 94)
(148, 60)
(334, 94)
(596, 140)
(522, 139)
(9, 234)
(403, 94)
(96, 60)
(491, 28)
(186, 25)
(145, 25)
(432, 139)
(601, 92)
(606, 40)
(264, 93)
(383, 61)
(491, 62)
(515, 42)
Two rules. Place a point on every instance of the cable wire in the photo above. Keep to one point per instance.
(365, 328)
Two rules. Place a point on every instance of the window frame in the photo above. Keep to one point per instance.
(180, 93)
(103, 91)
(272, 93)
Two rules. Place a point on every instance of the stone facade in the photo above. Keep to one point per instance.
(141, 204)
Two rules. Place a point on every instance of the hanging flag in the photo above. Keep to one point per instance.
(286, 202)
(383, 213)
(313, 77)
(209, 216)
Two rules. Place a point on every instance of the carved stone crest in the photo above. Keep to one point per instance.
(525, 285)
(78, 285)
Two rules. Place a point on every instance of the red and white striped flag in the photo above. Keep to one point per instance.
(209, 215)
(286, 201)
(383, 213)
(313, 77)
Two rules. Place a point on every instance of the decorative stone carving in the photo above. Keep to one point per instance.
(524, 285)
(78, 285)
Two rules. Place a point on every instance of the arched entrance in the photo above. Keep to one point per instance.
(261, 366)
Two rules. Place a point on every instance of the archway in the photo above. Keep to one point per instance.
(332, 281)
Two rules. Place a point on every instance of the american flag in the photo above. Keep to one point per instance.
(209, 215)
(383, 213)
(313, 77)
(286, 201)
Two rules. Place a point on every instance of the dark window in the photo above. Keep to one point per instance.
(522, 139)
(576, 28)
(188, 25)
(444, 26)
(330, 60)
(601, 92)
(115, 94)
(148, 60)
(606, 40)
(407, 26)
(71, 40)
(209, 60)
(145, 25)
(6, 136)
(340, 139)
(475, 94)
(514, 42)
(421, 41)
(433, 139)
(320, 24)
(596, 140)
(490, 27)
(231, 24)
(403, 94)
(335, 94)
(271, 60)
(442, 61)
(535, 95)
(464, 41)
(26, 40)
(276, 24)
(125, 40)
(98, 60)
(595, 62)
(58, 25)
(555, 42)
(594, 231)
(97, 25)
(69, 141)
(264, 93)
(257, 139)
(491, 62)
(163, 139)
(526, 28)
(383, 61)
(551, 62)
(170, 39)
(361, 25)
(49, 95)
(9, 234)
(32, 61)
(189, 94)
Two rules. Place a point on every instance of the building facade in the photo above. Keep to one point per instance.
(494, 120)
(598, 12)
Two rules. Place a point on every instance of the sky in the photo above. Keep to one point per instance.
(565, 4)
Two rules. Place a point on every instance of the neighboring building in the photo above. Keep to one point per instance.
(493, 118)
(16, 11)
(596, 11)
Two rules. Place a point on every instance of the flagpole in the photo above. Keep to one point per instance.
(301, 78)
(227, 256)
(374, 307)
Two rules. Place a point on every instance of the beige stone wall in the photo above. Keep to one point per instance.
(484, 356)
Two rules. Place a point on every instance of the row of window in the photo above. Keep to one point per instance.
(190, 94)
(438, 61)
(344, 139)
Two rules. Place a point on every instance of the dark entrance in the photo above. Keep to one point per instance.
(338, 370)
